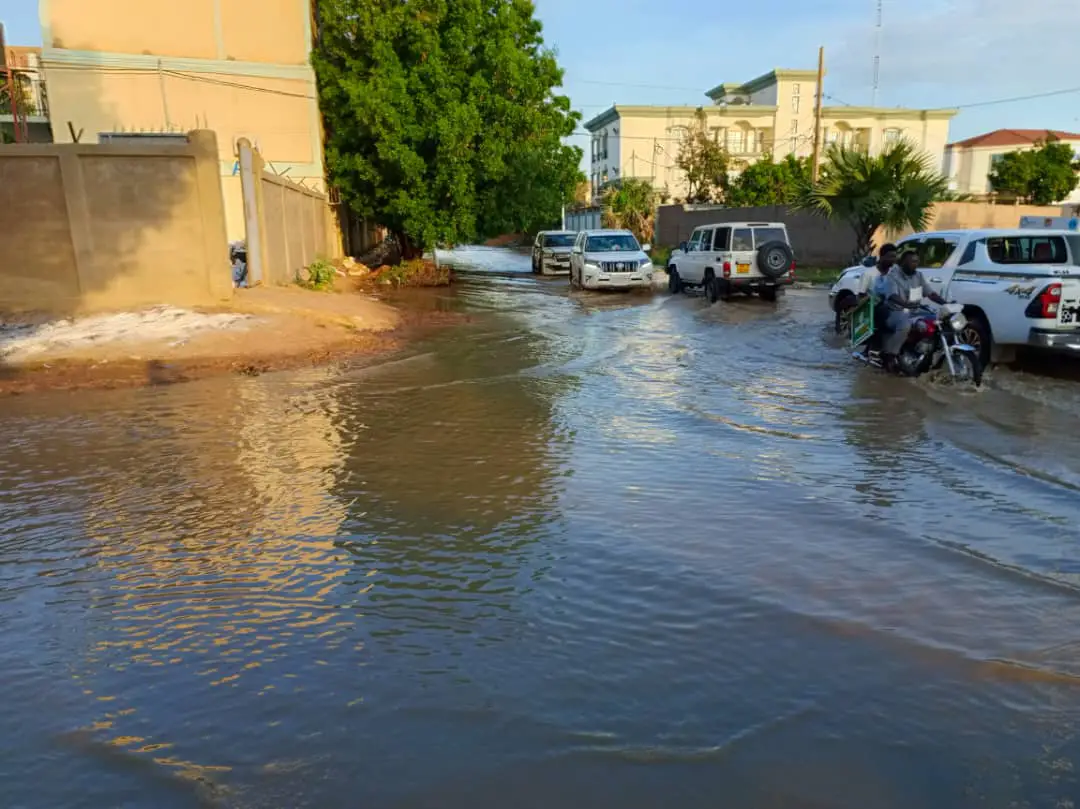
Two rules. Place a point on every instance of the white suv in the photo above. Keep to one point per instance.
(730, 257)
(609, 259)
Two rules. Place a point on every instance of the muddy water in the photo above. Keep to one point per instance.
(581, 551)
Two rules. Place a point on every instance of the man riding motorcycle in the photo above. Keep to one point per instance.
(905, 288)
(873, 283)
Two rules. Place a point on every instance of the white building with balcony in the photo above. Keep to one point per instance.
(774, 114)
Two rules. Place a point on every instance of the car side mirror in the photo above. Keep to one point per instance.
(645, 248)
(682, 246)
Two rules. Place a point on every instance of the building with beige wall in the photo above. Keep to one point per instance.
(968, 163)
(238, 67)
(773, 113)
(31, 100)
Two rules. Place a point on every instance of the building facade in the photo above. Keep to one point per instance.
(773, 113)
(238, 67)
(968, 163)
(32, 102)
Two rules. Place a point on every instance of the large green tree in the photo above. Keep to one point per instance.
(705, 162)
(1040, 176)
(442, 119)
(766, 182)
(895, 189)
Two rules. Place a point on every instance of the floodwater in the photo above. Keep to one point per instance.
(579, 551)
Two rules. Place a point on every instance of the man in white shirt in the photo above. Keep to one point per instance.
(905, 289)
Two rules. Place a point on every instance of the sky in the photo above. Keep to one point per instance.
(934, 53)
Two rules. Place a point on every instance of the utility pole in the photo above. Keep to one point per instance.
(815, 164)
(877, 55)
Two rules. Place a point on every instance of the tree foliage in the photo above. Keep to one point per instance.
(631, 204)
(1040, 176)
(442, 123)
(767, 182)
(705, 162)
(895, 190)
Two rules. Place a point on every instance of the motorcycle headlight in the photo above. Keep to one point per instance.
(957, 322)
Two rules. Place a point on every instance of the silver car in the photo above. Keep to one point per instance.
(551, 252)
(609, 259)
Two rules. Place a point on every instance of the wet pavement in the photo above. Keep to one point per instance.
(582, 551)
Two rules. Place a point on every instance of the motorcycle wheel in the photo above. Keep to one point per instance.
(971, 364)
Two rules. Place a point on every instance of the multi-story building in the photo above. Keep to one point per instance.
(773, 113)
(31, 100)
(238, 67)
(968, 163)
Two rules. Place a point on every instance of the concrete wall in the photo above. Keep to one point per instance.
(289, 224)
(969, 215)
(817, 242)
(107, 227)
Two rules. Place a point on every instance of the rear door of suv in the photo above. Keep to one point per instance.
(763, 234)
(742, 253)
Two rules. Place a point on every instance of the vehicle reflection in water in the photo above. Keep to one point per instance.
(584, 550)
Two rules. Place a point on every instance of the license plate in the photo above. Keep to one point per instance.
(742, 269)
(1069, 315)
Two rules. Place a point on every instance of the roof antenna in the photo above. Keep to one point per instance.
(877, 54)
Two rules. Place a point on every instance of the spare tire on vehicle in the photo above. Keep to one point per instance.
(774, 259)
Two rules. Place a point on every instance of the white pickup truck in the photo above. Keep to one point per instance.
(1018, 287)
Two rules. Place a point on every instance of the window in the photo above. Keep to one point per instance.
(934, 252)
(796, 98)
(719, 134)
(735, 141)
(751, 144)
(558, 239)
(721, 238)
(695, 240)
(762, 235)
(892, 136)
(603, 148)
(612, 243)
(706, 240)
(742, 239)
(678, 133)
(1027, 250)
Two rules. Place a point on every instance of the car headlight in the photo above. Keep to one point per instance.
(957, 322)
(592, 265)
(643, 263)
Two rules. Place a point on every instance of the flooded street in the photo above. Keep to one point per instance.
(580, 551)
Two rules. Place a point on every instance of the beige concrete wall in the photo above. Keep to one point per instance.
(976, 215)
(241, 30)
(108, 227)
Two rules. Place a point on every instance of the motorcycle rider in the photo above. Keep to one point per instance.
(905, 288)
(873, 283)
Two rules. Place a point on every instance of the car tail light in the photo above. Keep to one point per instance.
(791, 269)
(727, 269)
(1046, 303)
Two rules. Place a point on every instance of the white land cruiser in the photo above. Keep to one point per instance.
(609, 259)
(731, 257)
(1018, 287)
(551, 252)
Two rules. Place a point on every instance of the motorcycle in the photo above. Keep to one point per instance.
(932, 343)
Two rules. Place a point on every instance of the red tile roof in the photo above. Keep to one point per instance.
(1015, 137)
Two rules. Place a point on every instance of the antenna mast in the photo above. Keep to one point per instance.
(877, 54)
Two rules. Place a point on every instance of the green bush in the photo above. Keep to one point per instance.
(318, 275)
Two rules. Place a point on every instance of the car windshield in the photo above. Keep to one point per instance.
(612, 243)
(559, 240)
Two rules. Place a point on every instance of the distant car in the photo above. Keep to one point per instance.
(1019, 287)
(730, 257)
(551, 252)
(609, 259)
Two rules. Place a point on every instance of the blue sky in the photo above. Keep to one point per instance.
(935, 53)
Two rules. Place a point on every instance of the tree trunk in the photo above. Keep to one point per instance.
(406, 247)
(864, 241)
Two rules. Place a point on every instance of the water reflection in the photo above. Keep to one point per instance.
(639, 554)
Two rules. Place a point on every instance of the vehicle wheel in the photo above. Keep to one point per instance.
(674, 282)
(969, 366)
(768, 294)
(977, 335)
(774, 259)
(712, 292)
(844, 304)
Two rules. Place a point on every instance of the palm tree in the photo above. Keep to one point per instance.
(630, 204)
(895, 189)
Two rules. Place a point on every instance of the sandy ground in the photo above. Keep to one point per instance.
(262, 329)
